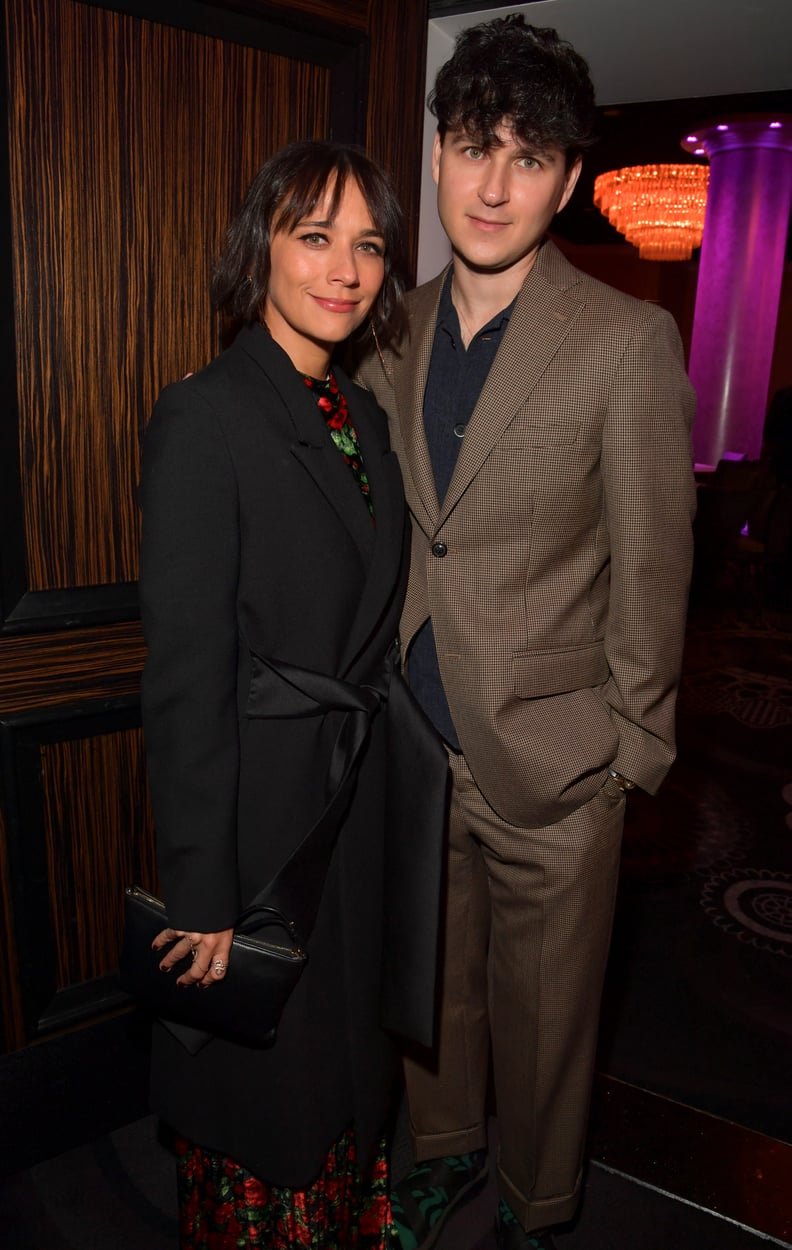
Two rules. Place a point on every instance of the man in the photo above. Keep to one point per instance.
(542, 422)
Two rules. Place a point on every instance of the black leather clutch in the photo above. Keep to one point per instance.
(266, 963)
(267, 956)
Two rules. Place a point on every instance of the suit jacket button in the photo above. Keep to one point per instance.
(439, 550)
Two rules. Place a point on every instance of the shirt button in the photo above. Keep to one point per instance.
(439, 550)
(459, 429)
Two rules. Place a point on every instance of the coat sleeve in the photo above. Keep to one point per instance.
(650, 501)
(188, 582)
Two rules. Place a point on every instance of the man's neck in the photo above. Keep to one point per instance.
(479, 296)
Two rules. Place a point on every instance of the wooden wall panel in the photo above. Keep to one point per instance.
(12, 1029)
(78, 830)
(97, 827)
(61, 669)
(394, 127)
(123, 177)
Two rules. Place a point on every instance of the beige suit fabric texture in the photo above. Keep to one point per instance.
(558, 596)
(559, 606)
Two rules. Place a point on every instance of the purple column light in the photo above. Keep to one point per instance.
(739, 280)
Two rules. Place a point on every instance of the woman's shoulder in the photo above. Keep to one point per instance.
(231, 381)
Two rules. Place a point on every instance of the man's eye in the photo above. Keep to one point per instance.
(529, 162)
(475, 154)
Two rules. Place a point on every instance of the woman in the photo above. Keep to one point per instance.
(273, 525)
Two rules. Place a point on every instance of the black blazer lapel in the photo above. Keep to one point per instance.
(312, 445)
(382, 468)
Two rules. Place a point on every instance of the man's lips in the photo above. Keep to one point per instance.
(484, 223)
(336, 305)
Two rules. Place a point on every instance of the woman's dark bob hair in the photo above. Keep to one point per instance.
(287, 188)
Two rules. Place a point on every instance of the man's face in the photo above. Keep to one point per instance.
(496, 203)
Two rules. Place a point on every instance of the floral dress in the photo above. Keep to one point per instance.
(221, 1205)
(333, 407)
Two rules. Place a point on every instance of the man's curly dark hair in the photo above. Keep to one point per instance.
(526, 76)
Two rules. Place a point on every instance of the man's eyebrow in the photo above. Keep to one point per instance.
(531, 149)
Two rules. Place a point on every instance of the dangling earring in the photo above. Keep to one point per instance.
(376, 344)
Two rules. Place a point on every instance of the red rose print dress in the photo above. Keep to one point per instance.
(333, 407)
(223, 1207)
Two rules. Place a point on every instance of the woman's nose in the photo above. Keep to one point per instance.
(343, 268)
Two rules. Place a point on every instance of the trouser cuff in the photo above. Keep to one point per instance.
(459, 1142)
(538, 1212)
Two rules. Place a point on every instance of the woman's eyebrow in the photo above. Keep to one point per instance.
(326, 225)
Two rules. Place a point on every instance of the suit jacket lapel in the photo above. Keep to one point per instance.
(387, 536)
(410, 373)
(542, 318)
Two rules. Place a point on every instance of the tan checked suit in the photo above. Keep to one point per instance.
(556, 575)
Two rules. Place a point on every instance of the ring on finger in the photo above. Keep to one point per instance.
(219, 967)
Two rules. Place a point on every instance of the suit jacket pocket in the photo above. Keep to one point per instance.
(526, 431)
(541, 673)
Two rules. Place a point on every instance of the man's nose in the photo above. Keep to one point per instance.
(494, 188)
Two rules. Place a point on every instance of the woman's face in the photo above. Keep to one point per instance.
(325, 276)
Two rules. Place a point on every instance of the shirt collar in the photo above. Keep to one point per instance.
(448, 319)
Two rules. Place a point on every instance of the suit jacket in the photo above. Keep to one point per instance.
(257, 544)
(556, 571)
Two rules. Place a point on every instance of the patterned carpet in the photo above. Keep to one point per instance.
(699, 998)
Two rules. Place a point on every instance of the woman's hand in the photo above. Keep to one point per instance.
(210, 952)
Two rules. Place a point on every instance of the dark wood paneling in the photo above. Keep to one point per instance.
(78, 829)
(11, 1020)
(124, 173)
(397, 74)
(96, 822)
(61, 669)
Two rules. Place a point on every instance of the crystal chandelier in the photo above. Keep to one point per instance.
(658, 208)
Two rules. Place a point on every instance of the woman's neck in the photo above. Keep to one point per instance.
(307, 356)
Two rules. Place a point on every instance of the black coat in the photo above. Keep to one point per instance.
(257, 542)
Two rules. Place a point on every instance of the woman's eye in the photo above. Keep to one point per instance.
(313, 238)
(371, 248)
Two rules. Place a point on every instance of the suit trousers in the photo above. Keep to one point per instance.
(527, 924)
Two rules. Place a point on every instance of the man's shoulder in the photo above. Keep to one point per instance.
(604, 300)
(422, 300)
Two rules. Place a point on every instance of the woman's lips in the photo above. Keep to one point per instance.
(336, 305)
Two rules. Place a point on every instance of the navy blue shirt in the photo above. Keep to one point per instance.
(453, 386)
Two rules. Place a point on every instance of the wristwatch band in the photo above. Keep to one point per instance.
(622, 782)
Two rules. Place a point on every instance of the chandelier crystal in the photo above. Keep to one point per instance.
(658, 208)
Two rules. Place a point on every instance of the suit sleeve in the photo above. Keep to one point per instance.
(188, 581)
(650, 501)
